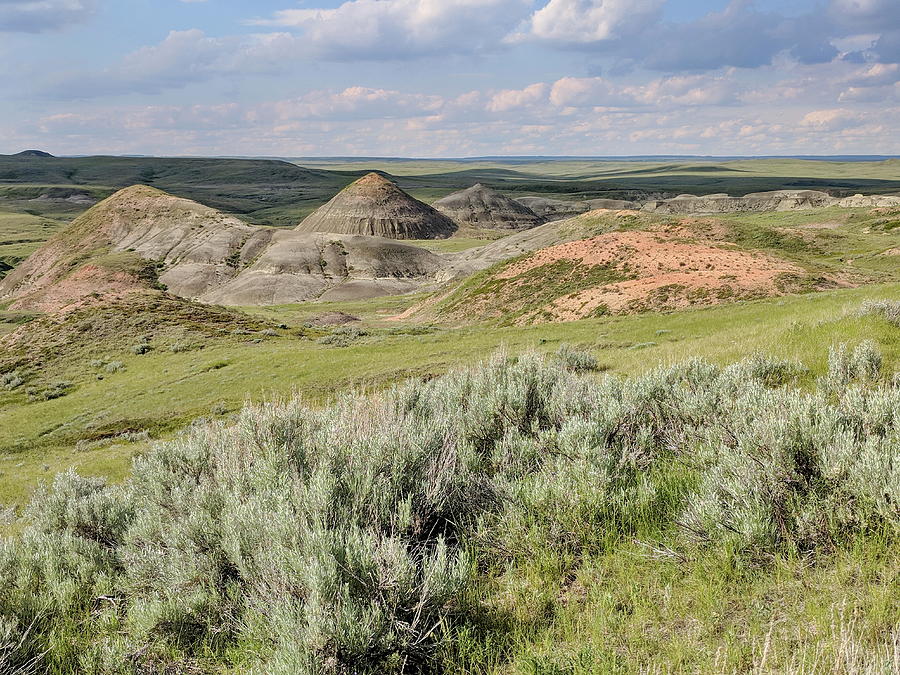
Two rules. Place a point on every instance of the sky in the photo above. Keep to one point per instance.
(450, 78)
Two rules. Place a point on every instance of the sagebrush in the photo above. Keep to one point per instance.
(349, 538)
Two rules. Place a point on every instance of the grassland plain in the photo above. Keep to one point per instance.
(22, 233)
(598, 178)
(214, 374)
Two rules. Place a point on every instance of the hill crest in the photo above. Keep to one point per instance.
(483, 207)
(376, 206)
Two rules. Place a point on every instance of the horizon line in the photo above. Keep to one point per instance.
(357, 158)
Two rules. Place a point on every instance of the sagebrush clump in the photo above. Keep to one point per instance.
(576, 360)
(49, 392)
(344, 539)
(11, 380)
(889, 310)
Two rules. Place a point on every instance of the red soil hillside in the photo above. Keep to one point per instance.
(621, 272)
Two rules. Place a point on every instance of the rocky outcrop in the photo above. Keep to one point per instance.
(778, 200)
(299, 266)
(868, 202)
(377, 207)
(612, 204)
(151, 225)
(482, 207)
(141, 238)
(756, 202)
(554, 209)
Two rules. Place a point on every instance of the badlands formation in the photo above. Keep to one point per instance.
(757, 202)
(482, 207)
(377, 207)
(626, 258)
(141, 237)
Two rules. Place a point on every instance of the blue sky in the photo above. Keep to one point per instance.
(450, 78)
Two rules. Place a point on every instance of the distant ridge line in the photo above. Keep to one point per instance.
(600, 158)
(482, 158)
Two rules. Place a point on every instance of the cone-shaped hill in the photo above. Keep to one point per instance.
(482, 207)
(375, 206)
(141, 238)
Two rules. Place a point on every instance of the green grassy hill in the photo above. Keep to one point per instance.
(606, 262)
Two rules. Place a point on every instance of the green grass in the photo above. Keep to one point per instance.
(21, 234)
(373, 311)
(162, 391)
(852, 242)
(525, 296)
(620, 603)
(630, 607)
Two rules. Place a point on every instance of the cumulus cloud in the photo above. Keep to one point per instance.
(632, 32)
(864, 16)
(878, 20)
(38, 16)
(739, 36)
(678, 91)
(512, 99)
(392, 29)
(875, 75)
(355, 103)
(835, 119)
(736, 80)
(589, 21)
(361, 29)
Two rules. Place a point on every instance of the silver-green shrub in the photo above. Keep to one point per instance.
(575, 360)
(889, 310)
(343, 539)
(11, 380)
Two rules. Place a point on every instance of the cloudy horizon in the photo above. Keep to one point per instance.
(451, 78)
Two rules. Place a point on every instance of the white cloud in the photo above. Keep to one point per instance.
(588, 21)
(511, 99)
(356, 103)
(835, 119)
(389, 29)
(677, 91)
(351, 122)
(864, 15)
(876, 75)
(634, 34)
